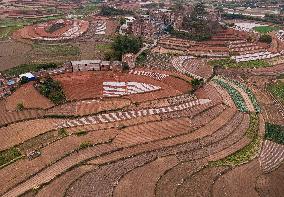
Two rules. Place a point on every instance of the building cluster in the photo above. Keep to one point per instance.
(95, 65)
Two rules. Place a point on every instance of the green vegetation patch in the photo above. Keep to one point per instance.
(265, 38)
(235, 95)
(81, 133)
(52, 89)
(230, 63)
(86, 10)
(9, 155)
(62, 132)
(84, 145)
(265, 29)
(55, 27)
(187, 35)
(24, 68)
(142, 58)
(277, 89)
(56, 50)
(122, 45)
(248, 152)
(111, 11)
(274, 133)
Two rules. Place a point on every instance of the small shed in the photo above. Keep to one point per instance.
(29, 76)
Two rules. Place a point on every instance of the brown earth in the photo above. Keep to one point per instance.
(29, 97)
(86, 85)
(13, 53)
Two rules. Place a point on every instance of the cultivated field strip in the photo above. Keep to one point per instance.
(17, 116)
(169, 181)
(223, 138)
(20, 132)
(61, 184)
(119, 116)
(246, 98)
(67, 162)
(116, 125)
(104, 179)
(154, 75)
(22, 169)
(272, 155)
(143, 179)
(152, 131)
(200, 183)
(207, 130)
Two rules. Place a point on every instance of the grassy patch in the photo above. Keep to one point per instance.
(230, 63)
(56, 50)
(277, 89)
(7, 156)
(84, 145)
(62, 132)
(104, 48)
(265, 29)
(248, 152)
(274, 133)
(23, 68)
(81, 133)
(86, 10)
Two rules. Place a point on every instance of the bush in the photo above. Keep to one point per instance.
(7, 156)
(274, 133)
(81, 133)
(265, 38)
(62, 132)
(196, 83)
(277, 90)
(84, 145)
(20, 107)
(24, 80)
(52, 90)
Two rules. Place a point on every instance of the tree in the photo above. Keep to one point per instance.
(198, 22)
(123, 44)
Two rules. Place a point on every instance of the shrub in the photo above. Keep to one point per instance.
(24, 80)
(62, 132)
(277, 90)
(86, 144)
(196, 83)
(81, 133)
(52, 90)
(274, 133)
(265, 38)
(20, 107)
(7, 156)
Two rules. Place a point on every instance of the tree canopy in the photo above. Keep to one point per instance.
(123, 44)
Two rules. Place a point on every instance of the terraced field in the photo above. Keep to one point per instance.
(167, 142)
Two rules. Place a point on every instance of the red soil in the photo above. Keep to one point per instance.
(86, 85)
(29, 97)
